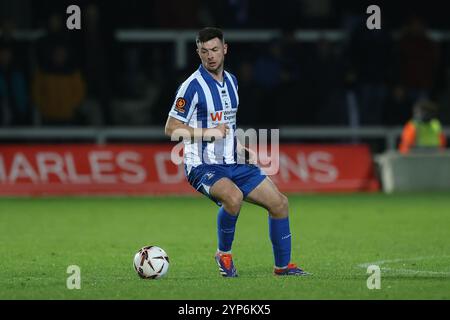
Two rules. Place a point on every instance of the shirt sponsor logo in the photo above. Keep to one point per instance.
(216, 116)
(228, 115)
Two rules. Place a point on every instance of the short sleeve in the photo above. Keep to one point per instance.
(185, 102)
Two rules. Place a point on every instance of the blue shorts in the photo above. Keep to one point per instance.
(245, 176)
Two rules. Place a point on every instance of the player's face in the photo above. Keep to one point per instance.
(212, 54)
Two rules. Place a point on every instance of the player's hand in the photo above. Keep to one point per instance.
(218, 132)
(223, 128)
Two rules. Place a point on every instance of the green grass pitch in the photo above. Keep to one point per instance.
(334, 237)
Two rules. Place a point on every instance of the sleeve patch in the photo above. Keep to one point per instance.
(180, 104)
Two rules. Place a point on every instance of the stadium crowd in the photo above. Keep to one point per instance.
(87, 77)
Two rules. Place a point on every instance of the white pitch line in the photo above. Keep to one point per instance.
(419, 272)
(406, 271)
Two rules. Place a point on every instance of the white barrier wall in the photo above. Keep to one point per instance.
(417, 171)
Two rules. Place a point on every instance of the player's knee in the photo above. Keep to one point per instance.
(280, 208)
(233, 202)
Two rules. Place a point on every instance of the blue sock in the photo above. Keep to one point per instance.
(226, 224)
(280, 235)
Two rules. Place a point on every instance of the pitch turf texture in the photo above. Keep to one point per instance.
(335, 237)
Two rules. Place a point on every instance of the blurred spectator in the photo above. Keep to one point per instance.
(292, 58)
(424, 130)
(96, 42)
(57, 36)
(267, 70)
(275, 72)
(418, 61)
(326, 85)
(169, 86)
(14, 108)
(19, 48)
(58, 90)
(398, 109)
(370, 53)
(251, 98)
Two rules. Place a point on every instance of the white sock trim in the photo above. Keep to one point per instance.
(285, 267)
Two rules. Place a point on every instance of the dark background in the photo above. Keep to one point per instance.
(88, 78)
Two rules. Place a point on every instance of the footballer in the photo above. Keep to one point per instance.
(204, 110)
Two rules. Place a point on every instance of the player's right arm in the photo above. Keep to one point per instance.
(186, 101)
(176, 129)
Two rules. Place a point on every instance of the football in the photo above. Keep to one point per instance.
(151, 262)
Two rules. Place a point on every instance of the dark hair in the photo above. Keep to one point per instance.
(207, 34)
(428, 109)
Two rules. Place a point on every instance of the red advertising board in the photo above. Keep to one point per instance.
(326, 168)
(148, 169)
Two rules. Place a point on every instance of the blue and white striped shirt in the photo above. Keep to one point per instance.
(203, 102)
